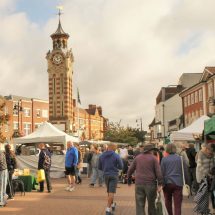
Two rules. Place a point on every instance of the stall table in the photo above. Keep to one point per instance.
(29, 182)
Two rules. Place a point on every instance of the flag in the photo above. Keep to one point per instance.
(78, 97)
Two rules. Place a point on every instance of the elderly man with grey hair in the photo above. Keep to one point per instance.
(171, 167)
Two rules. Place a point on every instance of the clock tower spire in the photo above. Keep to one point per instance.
(60, 69)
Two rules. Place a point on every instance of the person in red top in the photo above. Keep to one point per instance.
(148, 180)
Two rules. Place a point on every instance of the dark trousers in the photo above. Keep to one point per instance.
(193, 182)
(48, 181)
(141, 193)
(175, 192)
(9, 189)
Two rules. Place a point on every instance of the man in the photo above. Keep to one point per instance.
(71, 161)
(3, 179)
(44, 162)
(191, 154)
(96, 173)
(123, 152)
(110, 163)
(148, 180)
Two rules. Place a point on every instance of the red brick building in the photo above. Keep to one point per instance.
(198, 100)
(26, 114)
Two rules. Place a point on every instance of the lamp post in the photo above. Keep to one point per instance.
(17, 107)
(141, 123)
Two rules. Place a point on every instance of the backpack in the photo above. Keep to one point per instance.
(46, 162)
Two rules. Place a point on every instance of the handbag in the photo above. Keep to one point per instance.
(41, 175)
(186, 187)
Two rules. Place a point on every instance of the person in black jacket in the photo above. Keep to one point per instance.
(191, 154)
(44, 162)
(11, 165)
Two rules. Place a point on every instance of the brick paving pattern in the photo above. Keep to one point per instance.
(83, 201)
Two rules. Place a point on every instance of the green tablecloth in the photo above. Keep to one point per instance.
(29, 182)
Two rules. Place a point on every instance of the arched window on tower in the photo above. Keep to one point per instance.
(62, 112)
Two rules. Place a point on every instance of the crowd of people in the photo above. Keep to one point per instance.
(155, 170)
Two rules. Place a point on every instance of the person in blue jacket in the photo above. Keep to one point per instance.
(71, 161)
(110, 163)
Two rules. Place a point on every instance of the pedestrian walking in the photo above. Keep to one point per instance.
(171, 167)
(11, 166)
(44, 163)
(78, 179)
(110, 163)
(3, 179)
(148, 180)
(71, 161)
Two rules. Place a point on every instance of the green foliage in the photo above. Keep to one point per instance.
(121, 134)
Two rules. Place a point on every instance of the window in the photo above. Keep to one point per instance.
(185, 101)
(200, 95)
(27, 112)
(201, 112)
(15, 125)
(37, 125)
(210, 89)
(38, 113)
(188, 100)
(45, 113)
(192, 98)
(196, 97)
(5, 110)
(27, 128)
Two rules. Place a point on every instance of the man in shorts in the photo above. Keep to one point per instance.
(71, 161)
(110, 163)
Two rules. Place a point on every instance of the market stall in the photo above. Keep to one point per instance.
(187, 134)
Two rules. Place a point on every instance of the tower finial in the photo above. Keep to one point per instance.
(60, 8)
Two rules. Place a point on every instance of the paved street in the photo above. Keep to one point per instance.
(83, 201)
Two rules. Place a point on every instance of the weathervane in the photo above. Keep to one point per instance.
(60, 8)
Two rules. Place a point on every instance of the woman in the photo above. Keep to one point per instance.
(173, 180)
(11, 166)
(205, 165)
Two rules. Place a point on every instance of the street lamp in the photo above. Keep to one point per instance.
(17, 108)
(141, 123)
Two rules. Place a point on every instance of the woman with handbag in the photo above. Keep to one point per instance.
(171, 167)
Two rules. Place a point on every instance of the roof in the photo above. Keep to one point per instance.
(59, 31)
(16, 98)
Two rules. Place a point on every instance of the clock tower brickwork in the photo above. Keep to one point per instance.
(60, 70)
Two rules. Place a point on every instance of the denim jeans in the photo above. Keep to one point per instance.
(97, 174)
(143, 192)
(172, 190)
(3, 185)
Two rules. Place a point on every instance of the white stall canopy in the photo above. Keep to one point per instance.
(187, 133)
(46, 133)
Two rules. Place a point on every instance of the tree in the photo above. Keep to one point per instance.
(120, 134)
(4, 118)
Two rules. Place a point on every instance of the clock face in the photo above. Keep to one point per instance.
(57, 59)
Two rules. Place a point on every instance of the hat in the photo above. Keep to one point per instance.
(148, 147)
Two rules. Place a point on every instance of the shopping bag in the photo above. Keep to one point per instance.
(41, 175)
(160, 204)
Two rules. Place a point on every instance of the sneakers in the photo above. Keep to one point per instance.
(91, 185)
(108, 213)
(113, 206)
(67, 188)
(71, 189)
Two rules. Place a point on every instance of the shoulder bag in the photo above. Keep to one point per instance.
(186, 187)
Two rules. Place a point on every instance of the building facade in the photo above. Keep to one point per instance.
(168, 108)
(25, 115)
(199, 99)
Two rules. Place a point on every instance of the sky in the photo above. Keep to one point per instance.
(124, 51)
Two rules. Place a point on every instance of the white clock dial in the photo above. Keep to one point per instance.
(57, 59)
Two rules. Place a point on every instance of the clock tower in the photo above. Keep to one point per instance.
(60, 69)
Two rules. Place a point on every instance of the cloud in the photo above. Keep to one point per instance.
(124, 52)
